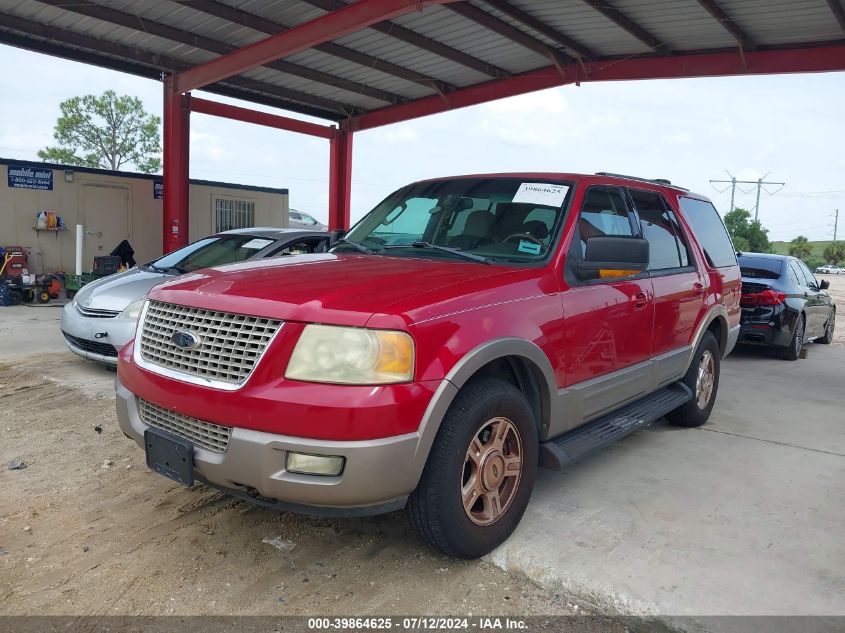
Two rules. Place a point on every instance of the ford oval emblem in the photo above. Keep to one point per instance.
(185, 339)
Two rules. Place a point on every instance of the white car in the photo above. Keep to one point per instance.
(829, 269)
(300, 220)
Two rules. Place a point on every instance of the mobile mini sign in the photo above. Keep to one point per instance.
(21, 177)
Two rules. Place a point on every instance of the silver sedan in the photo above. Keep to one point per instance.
(104, 314)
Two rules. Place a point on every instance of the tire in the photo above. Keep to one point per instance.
(827, 339)
(42, 296)
(436, 508)
(15, 298)
(793, 350)
(28, 295)
(706, 362)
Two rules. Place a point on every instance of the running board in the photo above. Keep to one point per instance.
(560, 452)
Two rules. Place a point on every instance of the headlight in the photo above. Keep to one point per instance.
(354, 356)
(133, 310)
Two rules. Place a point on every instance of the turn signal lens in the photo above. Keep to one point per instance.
(607, 273)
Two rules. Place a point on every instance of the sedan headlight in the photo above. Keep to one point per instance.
(133, 310)
(353, 356)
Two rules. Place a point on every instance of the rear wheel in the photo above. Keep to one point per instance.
(43, 296)
(702, 378)
(793, 350)
(827, 339)
(480, 471)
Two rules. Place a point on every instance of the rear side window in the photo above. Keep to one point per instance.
(666, 245)
(710, 232)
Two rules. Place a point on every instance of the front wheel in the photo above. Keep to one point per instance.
(702, 378)
(480, 472)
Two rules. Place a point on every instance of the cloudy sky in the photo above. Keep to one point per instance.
(690, 131)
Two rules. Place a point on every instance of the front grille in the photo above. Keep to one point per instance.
(230, 345)
(94, 313)
(103, 349)
(212, 437)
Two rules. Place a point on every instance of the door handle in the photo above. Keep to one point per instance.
(639, 300)
(698, 288)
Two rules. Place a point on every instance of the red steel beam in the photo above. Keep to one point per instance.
(330, 26)
(340, 179)
(226, 111)
(177, 128)
(767, 62)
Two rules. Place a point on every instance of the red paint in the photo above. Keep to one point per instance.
(236, 113)
(340, 178)
(333, 25)
(449, 308)
(797, 60)
(766, 298)
(177, 128)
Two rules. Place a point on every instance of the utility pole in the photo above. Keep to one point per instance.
(835, 225)
(734, 182)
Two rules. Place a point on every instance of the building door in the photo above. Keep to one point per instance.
(105, 215)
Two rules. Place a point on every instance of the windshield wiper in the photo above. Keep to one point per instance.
(452, 251)
(356, 245)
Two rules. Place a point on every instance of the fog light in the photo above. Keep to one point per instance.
(331, 465)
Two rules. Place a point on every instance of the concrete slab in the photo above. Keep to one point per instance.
(743, 516)
(32, 338)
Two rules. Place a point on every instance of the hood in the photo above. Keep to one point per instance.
(343, 289)
(116, 292)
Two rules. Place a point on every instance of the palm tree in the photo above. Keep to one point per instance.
(800, 247)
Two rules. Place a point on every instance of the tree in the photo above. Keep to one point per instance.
(747, 234)
(109, 132)
(800, 248)
(835, 253)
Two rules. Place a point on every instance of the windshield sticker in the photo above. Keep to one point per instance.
(528, 247)
(257, 244)
(541, 193)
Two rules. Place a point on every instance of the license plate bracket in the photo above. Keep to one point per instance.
(169, 455)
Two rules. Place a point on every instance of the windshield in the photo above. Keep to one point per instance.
(211, 251)
(499, 219)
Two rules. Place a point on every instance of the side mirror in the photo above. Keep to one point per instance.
(824, 284)
(613, 257)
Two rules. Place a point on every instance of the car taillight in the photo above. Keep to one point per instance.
(766, 298)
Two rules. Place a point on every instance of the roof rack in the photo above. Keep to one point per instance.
(658, 181)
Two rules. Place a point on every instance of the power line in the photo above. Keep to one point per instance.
(733, 182)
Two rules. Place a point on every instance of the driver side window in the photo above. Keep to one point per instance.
(603, 213)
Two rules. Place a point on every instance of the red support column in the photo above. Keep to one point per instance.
(340, 178)
(177, 126)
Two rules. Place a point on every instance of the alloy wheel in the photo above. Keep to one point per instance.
(492, 470)
(705, 380)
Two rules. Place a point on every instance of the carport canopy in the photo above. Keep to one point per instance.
(369, 63)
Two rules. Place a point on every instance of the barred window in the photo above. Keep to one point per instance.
(233, 214)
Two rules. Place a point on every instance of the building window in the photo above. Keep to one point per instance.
(233, 214)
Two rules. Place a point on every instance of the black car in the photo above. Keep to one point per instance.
(783, 304)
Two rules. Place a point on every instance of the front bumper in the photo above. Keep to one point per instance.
(95, 339)
(378, 476)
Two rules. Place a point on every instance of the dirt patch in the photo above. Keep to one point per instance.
(85, 528)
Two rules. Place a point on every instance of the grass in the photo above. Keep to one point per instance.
(782, 248)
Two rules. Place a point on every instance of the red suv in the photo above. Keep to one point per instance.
(464, 332)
